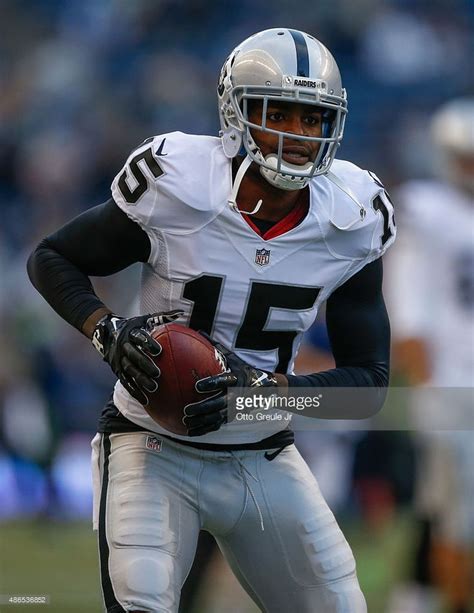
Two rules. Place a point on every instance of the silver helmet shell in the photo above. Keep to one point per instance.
(452, 131)
(289, 66)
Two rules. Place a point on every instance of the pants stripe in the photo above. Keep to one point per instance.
(111, 603)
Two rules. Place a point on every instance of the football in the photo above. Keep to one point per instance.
(187, 356)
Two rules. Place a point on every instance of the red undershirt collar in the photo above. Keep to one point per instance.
(290, 221)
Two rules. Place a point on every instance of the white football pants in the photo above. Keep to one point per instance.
(152, 496)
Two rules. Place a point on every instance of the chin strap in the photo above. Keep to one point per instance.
(284, 179)
(232, 200)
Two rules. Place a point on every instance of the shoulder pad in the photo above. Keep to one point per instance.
(361, 206)
(173, 182)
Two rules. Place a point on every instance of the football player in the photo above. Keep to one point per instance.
(431, 291)
(241, 237)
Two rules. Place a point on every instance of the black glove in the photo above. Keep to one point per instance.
(128, 347)
(209, 414)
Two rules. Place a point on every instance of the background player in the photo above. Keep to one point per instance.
(431, 293)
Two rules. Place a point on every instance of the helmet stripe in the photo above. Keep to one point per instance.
(302, 57)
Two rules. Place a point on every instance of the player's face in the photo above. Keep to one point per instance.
(294, 118)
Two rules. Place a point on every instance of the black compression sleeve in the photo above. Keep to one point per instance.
(100, 242)
(359, 332)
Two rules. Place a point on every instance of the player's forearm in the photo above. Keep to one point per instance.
(65, 287)
(370, 375)
(374, 375)
(366, 391)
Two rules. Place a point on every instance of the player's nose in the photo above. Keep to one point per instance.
(293, 124)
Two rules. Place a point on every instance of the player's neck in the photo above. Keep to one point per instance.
(277, 203)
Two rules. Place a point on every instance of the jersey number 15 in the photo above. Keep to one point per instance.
(205, 292)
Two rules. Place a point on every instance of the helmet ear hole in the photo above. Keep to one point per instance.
(231, 141)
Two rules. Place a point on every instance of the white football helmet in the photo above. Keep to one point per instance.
(452, 131)
(290, 66)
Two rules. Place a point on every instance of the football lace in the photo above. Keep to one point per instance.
(221, 359)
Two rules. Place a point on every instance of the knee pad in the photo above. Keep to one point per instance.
(144, 580)
(327, 551)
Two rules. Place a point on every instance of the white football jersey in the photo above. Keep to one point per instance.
(430, 280)
(255, 296)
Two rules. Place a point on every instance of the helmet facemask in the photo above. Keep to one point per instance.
(273, 167)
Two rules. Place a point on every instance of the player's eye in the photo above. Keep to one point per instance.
(312, 120)
(275, 116)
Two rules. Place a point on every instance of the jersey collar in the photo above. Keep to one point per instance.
(290, 221)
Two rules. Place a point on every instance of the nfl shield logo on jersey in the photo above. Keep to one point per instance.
(262, 257)
(153, 443)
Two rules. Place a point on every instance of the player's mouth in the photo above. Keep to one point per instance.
(296, 154)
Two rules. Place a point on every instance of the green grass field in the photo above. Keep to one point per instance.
(59, 560)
